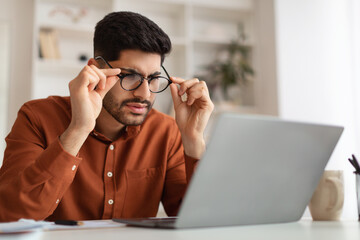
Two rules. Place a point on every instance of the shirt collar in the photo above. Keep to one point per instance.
(129, 132)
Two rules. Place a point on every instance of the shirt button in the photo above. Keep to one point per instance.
(57, 201)
(73, 167)
(109, 174)
(111, 201)
(111, 147)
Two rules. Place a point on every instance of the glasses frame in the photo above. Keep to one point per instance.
(121, 77)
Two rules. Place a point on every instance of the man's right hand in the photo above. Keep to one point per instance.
(87, 91)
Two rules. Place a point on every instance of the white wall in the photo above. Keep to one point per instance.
(19, 15)
(4, 80)
(316, 74)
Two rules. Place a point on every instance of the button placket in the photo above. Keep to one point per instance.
(109, 187)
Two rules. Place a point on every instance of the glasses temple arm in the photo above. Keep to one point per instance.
(106, 62)
(167, 74)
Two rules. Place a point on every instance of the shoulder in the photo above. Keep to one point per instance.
(53, 107)
(48, 103)
(45, 118)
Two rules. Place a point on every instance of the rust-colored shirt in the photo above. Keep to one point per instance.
(108, 179)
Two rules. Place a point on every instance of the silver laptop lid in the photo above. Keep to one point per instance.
(257, 170)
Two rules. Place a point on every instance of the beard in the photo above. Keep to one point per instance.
(118, 112)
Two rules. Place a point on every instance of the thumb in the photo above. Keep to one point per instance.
(175, 95)
(110, 82)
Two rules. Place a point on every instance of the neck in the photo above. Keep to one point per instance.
(108, 126)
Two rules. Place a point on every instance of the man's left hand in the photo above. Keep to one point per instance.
(193, 114)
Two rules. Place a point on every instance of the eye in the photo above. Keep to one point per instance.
(154, 78)
(132, 77)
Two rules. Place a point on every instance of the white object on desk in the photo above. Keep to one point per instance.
(28, 226)
(21, 226)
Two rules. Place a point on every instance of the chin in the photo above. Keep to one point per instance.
(133, 119)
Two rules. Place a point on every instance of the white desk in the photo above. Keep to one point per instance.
(305, 229)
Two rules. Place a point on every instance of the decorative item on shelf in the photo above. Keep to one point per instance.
(83, 57)
(48, 41)
(231, 70)
(74, 16)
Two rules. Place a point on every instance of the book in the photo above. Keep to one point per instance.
(49, 48)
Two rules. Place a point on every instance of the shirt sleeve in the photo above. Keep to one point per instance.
(35, 174)
(180, 169)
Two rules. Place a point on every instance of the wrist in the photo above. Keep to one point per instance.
(194, 148)
(72, 139)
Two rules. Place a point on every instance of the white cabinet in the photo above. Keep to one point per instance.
(71, 24)
(199, 29)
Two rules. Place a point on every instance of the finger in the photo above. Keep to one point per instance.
(104, 73)
(194, 94)
(100, 75)
(111, 71)
(110, 82)
(87, 77)
(177, 80)
(198, 91)
(184, 86)
(175, 95)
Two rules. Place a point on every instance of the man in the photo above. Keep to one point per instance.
(104, 152)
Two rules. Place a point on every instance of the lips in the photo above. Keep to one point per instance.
(137, 108)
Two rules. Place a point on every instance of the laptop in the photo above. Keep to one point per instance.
(256, 170)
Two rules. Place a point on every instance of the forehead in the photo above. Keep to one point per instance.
(143, 62)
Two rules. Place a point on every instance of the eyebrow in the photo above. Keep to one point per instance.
(133, 71)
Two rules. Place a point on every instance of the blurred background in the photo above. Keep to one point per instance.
(294, 59)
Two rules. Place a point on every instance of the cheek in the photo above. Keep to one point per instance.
(118, 94)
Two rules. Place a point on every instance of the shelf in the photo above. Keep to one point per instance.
(215, 41)
(226, 5)
(71, 28)
(80, 12)
(59, 65)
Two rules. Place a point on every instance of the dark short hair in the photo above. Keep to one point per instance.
(119, 31)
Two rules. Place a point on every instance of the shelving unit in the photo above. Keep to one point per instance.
(73, 22)
(199, 30)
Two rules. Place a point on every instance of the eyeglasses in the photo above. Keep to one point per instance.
(133, 80)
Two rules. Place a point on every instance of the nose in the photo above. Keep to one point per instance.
(143, 91)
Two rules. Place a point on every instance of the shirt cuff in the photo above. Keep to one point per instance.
(56, 161)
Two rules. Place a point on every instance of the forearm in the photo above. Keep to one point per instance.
(194, 147)
(72, 139)
(34, 190)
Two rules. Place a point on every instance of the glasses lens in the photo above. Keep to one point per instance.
(158, 84)
(131, 81)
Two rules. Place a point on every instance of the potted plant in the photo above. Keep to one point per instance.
(231, 68)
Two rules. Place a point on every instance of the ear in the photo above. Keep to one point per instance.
(92, 61)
